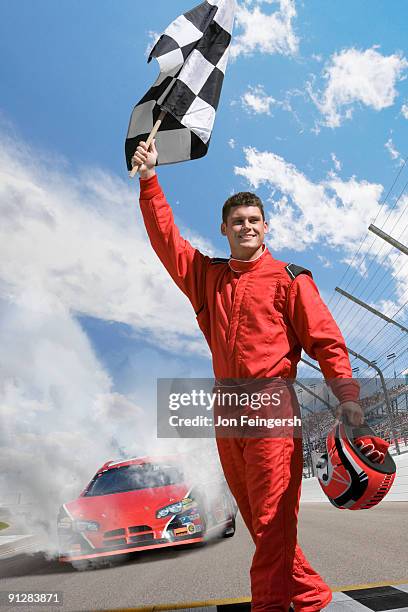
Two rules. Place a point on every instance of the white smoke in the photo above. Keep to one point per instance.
(61, 417)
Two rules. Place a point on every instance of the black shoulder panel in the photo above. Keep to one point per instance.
(293, 270)
(219, 260)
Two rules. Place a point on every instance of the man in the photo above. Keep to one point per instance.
(256, 314)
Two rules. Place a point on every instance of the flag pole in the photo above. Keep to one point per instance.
(149, 140)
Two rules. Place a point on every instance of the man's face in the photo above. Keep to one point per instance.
(245, 230)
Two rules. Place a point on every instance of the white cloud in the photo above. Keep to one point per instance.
(326, 263)
(256, 101)
(114, 407)
(153, 37)
(50, 386)
(354, 76)
(202, 244)
(332, 213)
(73, 244)
(60, 419)
(231, 143)
(81, 239)
(336, 162)
(404, 110)
(263, 32)
(394, 154)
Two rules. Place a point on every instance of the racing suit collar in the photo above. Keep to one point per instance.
(241, 265)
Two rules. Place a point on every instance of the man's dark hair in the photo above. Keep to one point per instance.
(243, 198)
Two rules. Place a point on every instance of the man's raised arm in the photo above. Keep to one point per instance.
(185, 264)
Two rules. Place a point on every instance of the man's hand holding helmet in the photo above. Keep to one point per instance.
(352, 411)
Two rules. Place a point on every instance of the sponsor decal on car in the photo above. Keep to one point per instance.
(95, 524)
(189, 503)
(180, 531)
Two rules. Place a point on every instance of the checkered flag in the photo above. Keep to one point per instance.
(193, 55)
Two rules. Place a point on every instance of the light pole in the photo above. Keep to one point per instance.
(313, 386)
(393, 356)
(386, 394)
(319, 432)
(374, 362)
(306, 430)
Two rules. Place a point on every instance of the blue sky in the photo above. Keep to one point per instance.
(313, 115)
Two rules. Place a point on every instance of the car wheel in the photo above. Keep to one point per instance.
(83, 565)
(203, 519)
(229, 531)
(201, 509)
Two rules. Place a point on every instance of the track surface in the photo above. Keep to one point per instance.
(348, 548)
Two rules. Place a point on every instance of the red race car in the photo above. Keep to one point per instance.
(140, 504)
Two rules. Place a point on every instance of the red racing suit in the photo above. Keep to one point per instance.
(256, 317)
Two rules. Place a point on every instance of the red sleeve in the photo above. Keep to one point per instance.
(320, 337)
(185, 264)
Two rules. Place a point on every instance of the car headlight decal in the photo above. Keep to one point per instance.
(86, 526)
(175, 508)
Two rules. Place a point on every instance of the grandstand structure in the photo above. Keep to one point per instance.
(370, 307)
(318, 418)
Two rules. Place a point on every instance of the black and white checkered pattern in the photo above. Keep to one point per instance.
(377, 599)
(193, 55)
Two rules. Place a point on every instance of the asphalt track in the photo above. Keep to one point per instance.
(348, 548)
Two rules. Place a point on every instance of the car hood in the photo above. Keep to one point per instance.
(133, 506)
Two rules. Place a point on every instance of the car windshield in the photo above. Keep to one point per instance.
(133, 478)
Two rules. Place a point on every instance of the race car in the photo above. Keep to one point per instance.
(141, 504)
